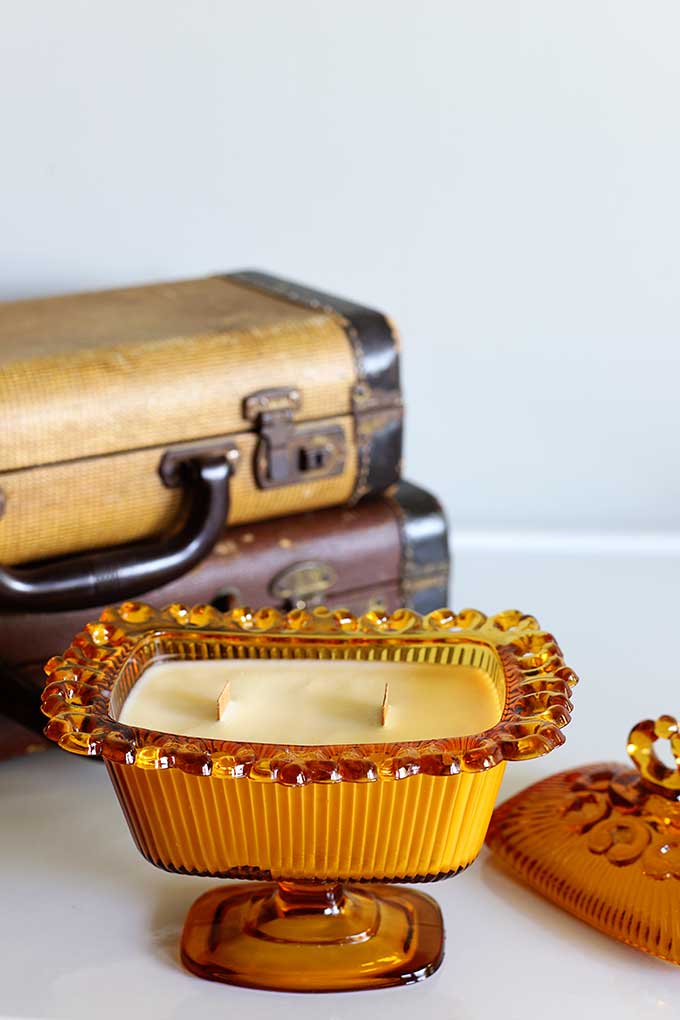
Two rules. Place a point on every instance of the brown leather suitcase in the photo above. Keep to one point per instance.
(137, 421)
(384, 553)
(16, 739)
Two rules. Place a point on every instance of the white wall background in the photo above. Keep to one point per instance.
(503, 177)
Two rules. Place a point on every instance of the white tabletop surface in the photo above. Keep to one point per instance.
(91, 930)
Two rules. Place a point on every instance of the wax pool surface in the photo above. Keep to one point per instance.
(307, 701)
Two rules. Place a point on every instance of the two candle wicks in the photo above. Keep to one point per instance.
(225, 697)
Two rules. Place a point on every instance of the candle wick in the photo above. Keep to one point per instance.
(385, 704)
(223, 700)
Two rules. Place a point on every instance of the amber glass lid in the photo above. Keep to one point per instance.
(603, 842)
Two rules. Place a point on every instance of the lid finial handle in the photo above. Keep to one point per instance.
(641, 741)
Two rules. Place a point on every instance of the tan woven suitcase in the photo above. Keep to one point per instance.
(136, 421)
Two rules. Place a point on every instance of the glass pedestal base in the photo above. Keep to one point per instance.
(308, 937)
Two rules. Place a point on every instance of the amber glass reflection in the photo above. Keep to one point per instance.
(310, 820)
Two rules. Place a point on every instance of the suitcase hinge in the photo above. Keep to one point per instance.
(288, 453)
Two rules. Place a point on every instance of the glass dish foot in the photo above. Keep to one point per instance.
(313, 937)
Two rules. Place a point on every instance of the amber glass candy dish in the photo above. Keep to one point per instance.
(315, 826)
(603, 841)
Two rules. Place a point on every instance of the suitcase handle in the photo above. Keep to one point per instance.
(80, 582)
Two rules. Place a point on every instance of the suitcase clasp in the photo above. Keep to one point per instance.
(303, 584)
(288, 453)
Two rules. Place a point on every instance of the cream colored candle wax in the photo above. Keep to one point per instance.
(311, 701)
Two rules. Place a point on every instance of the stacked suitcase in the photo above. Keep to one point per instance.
(233, 440)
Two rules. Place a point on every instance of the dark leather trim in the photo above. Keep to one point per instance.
(380, 434)
(377, 395)
(426, 564)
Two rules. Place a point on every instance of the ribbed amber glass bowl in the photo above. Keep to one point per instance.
(309, 817)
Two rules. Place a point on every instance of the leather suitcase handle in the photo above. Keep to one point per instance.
(94, 579)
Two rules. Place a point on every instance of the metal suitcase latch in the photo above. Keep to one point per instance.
(288, 453)
(303, 584)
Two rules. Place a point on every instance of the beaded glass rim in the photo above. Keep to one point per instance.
(79, 684)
